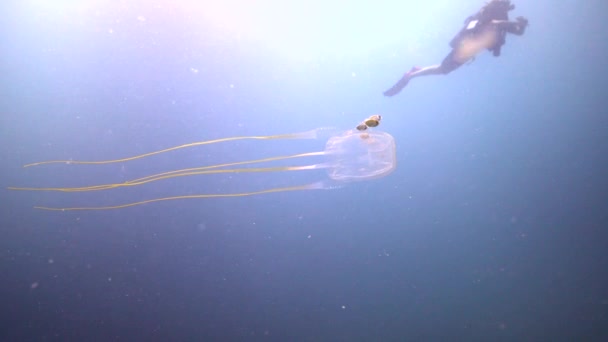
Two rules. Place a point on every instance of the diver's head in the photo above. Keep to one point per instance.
(500, 5)
(496, 9)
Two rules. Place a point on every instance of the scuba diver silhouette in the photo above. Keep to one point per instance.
(486, 29)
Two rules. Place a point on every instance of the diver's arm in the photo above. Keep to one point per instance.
(514, 27)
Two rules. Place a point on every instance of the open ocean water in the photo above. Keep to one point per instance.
(492, 227)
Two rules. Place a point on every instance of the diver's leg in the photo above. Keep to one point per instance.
(414, 72)
(426, 71)
(448, 65)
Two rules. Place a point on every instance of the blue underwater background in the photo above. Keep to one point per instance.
(493, 227)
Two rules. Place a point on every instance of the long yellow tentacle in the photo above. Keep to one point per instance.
(187, 172)
(312, 134)
(293, 188)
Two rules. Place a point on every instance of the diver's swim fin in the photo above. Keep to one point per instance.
(395, 89)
